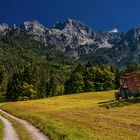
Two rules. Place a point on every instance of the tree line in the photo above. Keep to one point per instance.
(29, 83)
(90, 78)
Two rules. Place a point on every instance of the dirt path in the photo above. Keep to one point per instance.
(9, 132)
(36, 134)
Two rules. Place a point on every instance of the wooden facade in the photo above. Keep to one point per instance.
(131, 81)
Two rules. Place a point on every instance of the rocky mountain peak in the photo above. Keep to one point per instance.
(65, 24)
(132, 34)
(72, 27)
(34, 27)
(69, 33)
(32, 23)
(3, 27)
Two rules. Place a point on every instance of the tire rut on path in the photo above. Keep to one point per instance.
(9, 132)
(36, 134)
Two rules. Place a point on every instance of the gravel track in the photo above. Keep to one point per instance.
(9, 132)
(36, 134)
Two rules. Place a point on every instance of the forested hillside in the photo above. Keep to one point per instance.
(26, 68)
(31, 70)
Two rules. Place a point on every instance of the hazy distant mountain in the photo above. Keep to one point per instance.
(78, 41)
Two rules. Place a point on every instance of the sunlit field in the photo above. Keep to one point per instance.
(1, 130)
(84, 116)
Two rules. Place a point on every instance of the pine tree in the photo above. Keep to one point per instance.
(51, 89)
(89, 78)
(3, 82)
(75, 84)
(118, 75)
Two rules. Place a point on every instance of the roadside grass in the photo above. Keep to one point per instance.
(81, 116)
(21, 131)
(1, 130)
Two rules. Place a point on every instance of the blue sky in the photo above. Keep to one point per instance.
(97, 14)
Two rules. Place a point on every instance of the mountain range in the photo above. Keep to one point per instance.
(78, 41)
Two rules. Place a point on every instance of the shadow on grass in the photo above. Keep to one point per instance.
(119, 103)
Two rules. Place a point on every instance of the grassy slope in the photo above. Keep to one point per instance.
(1, 130)
(80, 117)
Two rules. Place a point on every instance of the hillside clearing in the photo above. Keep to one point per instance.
(81, 116)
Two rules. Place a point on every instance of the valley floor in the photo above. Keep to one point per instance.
(85, 116)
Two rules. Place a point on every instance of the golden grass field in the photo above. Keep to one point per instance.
(1, 130)
(84, 116)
